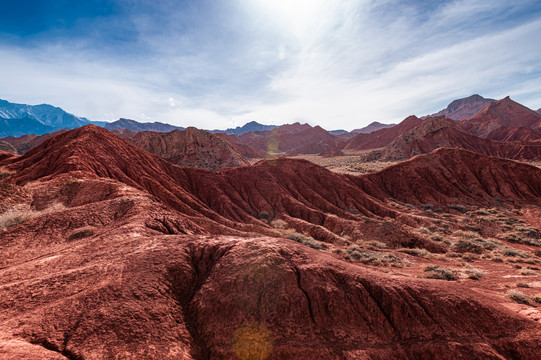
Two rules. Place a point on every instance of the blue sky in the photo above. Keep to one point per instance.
(222, 63)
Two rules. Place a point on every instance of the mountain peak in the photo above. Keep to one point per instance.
(464, 108)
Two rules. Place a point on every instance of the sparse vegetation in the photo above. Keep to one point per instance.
(474, 273)
(527, 272)
(416, 252)
(440, 272)
(307, 240)
(518, 296)
(375, 258)
(12, 218)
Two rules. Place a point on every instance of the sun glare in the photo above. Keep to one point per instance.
(295, 16)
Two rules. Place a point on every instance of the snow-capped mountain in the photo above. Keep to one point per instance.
(20, 119)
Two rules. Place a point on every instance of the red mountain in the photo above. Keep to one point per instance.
(503, 112)
(24, 143)
(463, 109)
(440, 132)
(191, 147)
(382, 137)
(125, 254)
(292, 139)
(375, 126)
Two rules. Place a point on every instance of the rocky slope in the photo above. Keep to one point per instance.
(463, 109)
(440, 132)
(191, 147)
(125, 255)
(291, 139)
(382, 137)
(505, 112)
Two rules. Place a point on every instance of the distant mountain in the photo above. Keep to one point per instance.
(20, 119)
(375, 126)
(292, 139)
(539, 110)
(383, 137)
(251, 126)
(462, 109)
(438, 132)
(133, 125)
(504, 112)
(22, 144)
(338, 132)
(19, 127)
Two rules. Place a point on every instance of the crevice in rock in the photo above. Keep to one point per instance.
(68, 354)
(310, 310)
(185, 288)
(368, 288)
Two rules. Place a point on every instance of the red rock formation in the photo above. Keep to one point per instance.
(435, 133)
(503, 112)
(463, 109)
(128, 255)
(24, 143)
(292, 139)
(383, 137)
(448, 175)
(191, 147)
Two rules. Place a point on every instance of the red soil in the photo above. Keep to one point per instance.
(139, 260)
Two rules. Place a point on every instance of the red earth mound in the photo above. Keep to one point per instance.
(435, 133)
(505, 112)
(383, 137)
(191, 147)
(125, 255)
(448, 176)
(293, 139)
(24, 143)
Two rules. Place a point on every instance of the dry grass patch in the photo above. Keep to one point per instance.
(440, 272)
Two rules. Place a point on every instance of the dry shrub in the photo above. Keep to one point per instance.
(518, 296)
(416, 252)
(440, 272)
(81, 233)
(307, 240)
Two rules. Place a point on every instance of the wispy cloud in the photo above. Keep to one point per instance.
(343, 65)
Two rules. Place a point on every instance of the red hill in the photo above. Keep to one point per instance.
(463, 109)
(191, 147)
(382, 137)
(293, 139)
(128, 254)
(505, 112)
(440, 132)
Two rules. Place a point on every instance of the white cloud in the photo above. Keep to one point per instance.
(353, 63)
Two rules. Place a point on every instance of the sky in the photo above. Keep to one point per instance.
(216, 64)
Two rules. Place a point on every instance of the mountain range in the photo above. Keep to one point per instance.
(21, 119)
(107, 249)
